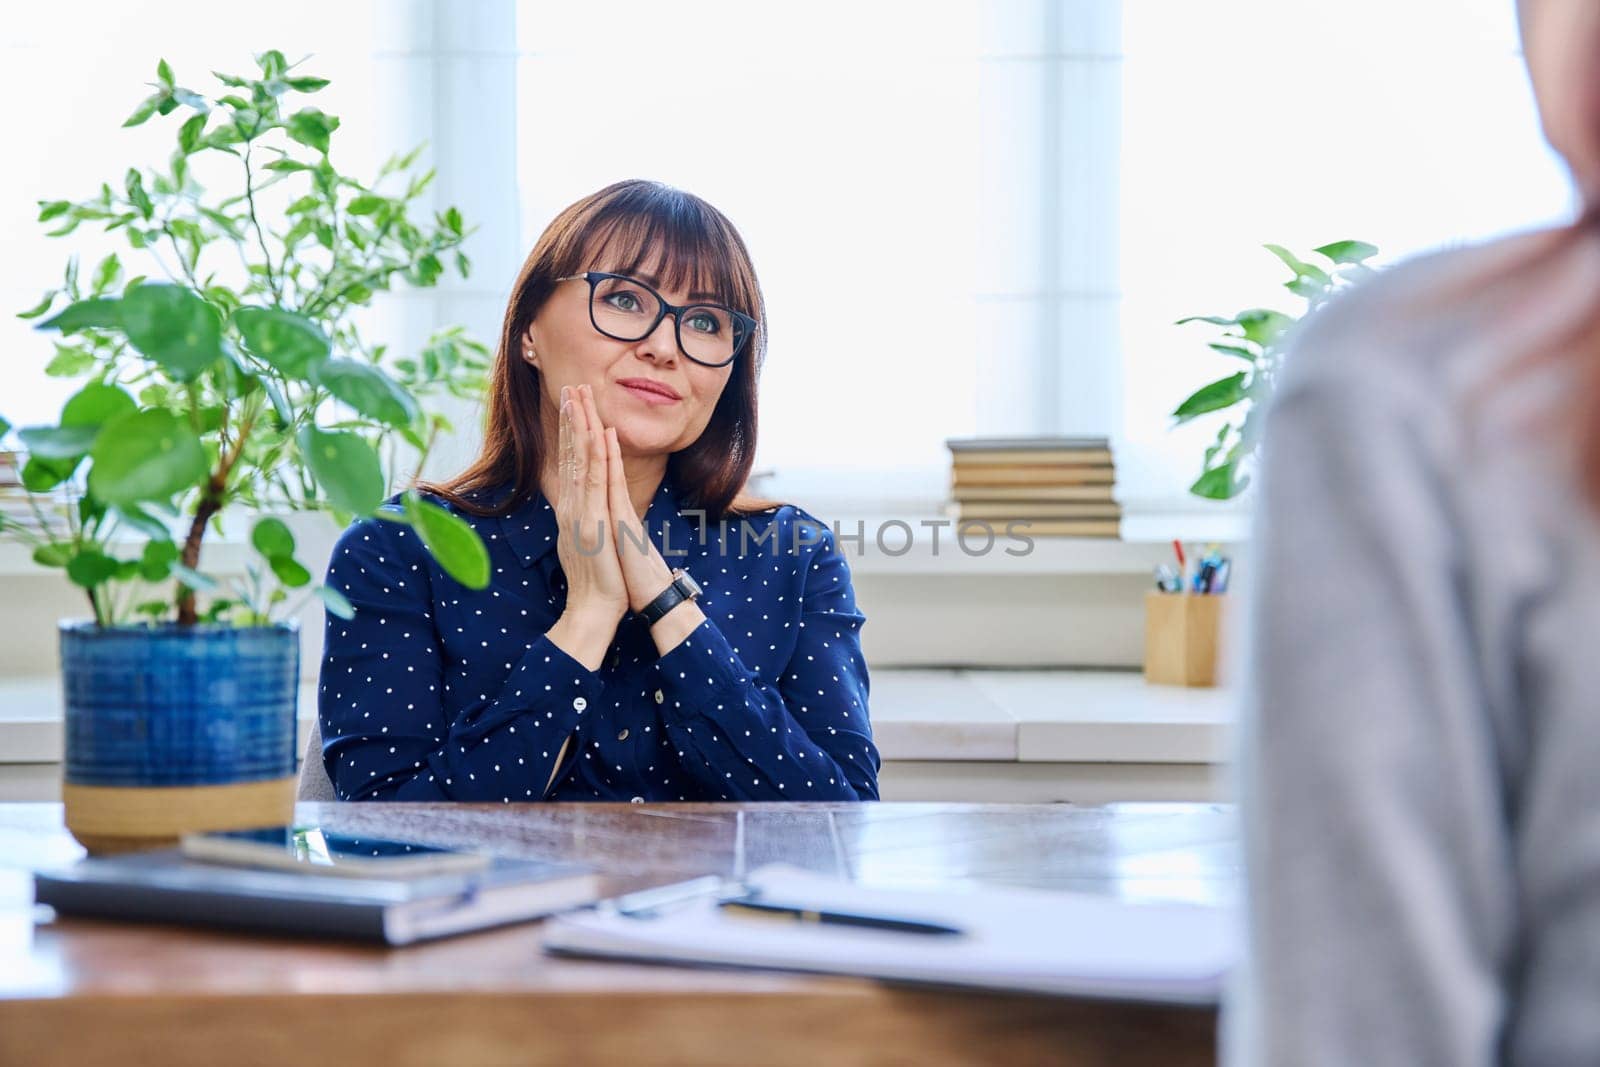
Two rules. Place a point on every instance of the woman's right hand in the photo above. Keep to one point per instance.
(596, 590)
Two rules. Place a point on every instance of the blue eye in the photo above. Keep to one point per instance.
(705, 322)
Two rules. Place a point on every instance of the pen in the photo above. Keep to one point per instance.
(752, 908)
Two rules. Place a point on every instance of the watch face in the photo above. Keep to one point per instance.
(689, 583)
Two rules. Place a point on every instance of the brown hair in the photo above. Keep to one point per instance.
(696, 247)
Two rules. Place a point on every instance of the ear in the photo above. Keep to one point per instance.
(530, 346)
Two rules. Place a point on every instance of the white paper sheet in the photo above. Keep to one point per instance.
(1014, 939)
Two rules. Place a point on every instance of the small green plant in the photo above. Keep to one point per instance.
(1254, 337)
(223, 369)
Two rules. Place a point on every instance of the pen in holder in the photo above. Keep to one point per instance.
(1181, 636)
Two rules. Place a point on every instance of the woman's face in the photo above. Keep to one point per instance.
(568, 351)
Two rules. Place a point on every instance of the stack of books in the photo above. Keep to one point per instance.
(1059, 486)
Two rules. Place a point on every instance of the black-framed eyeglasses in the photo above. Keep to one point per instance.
(626, 309)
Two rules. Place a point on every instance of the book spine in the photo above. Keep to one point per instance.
(322, 918)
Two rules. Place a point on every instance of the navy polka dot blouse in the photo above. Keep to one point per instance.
(438, 692)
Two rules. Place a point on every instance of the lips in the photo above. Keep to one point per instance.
(648, 385)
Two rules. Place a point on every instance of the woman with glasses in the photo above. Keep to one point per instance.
(650, 631)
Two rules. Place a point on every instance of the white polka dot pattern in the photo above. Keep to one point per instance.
(437, 692)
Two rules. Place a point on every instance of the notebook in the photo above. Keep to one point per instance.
(165, 886)
(1012, 939)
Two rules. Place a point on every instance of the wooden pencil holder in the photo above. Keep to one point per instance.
(1181, 637)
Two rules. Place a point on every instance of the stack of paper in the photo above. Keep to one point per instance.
(1013, 939)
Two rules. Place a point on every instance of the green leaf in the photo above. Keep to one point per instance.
(312, 128)
(174, 327)
(164, 73)
(272, 538)
(69, 362)
(200, 583)
(40, 308)
(1343, 252)
(453, 542)
(146, 108)
(1212, 319)
(40, 475)
(272, 63)
(1262, 325)
(1219, 394)
(95, 405)
(1301, 268)
(53, 555)
(306, 85)
(90, 568)
(191, 133)
(346, 468)
(288, 165)
(366, 204)
(106, 274)
(287, 341)
(103, 313)
(5, 427)
(156, 563)
(290, 571)
(1216, 484)
(337, 603)
(143, 522)
(368, 390)
(1233, 350)
(145, 455)
(49, 209)
(58, 442)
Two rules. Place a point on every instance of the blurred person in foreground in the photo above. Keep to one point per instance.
(1420, 756)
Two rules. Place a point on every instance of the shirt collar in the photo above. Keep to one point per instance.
(531, 530)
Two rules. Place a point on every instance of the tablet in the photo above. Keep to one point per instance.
(312, 850)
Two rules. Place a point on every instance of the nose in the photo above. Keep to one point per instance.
(661, 344)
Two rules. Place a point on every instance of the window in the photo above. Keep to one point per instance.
(839, 137)
(70, 125)
(1410, 125)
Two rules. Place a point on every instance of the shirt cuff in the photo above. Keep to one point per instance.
(704, 676)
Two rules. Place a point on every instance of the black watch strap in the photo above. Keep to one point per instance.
(669, 598)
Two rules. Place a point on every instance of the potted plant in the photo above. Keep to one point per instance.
(223, 376)
(1254, 336)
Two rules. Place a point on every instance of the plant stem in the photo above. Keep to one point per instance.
(250, 198)
(211, 500)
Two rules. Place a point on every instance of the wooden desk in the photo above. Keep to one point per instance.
(83, 991)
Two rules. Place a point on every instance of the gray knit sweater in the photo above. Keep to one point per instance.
(1419, 764)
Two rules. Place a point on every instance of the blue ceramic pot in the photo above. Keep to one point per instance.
(179, 705)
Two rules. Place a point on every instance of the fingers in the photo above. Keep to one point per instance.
(563, 454)
(595, 444)
(617, 489)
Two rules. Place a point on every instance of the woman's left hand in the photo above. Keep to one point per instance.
(643, 569)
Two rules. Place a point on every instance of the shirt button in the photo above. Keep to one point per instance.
(637, 800)
(580, 703)
(660, 696)
(623, 736)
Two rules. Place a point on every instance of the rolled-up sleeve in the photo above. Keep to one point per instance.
(804, 737)
(385, 732)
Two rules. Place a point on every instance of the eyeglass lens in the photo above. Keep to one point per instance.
(627, 311)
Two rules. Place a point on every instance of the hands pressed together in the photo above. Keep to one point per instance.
(612, 566)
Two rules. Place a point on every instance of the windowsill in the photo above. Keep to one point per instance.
(1020, 716)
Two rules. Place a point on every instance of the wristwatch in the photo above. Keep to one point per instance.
(682, 588)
